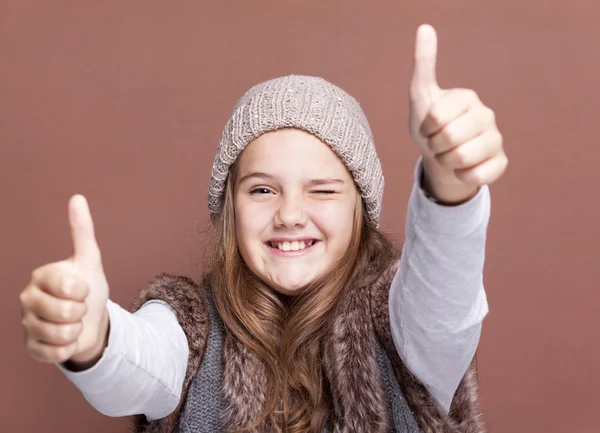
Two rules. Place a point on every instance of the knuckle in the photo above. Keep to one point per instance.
(62, 354)
(66, 309)
(450, 134)
(47, 333)
(81, 310)
(36, 274)
(488, 116)
(477, 177)
(462, 156)
(26, 324)
(85, 289)
(29, 299)
(24, 298)
(64, 334)
(471, 95)
(51, 354)
(435, 116)
(32, 349)
(54, 354)
(433, 144)
(499, 138)
(40, 353)
(67, 286)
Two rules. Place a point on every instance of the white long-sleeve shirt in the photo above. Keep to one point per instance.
(437, 305)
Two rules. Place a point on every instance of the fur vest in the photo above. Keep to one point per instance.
(357, 389)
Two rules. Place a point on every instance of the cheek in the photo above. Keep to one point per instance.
(335, 220)
(243, 227)
(250, 221)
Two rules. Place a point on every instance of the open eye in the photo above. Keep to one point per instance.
(260, 191)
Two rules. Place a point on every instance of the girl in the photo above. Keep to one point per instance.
(309, 320)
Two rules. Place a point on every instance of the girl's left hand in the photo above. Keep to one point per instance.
(456, 133)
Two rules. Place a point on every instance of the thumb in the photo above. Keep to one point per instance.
(423, 86)
(85, 248)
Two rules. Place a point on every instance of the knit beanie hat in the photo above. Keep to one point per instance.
(311, 104)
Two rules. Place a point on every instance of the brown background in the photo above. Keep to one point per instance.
(125, 101)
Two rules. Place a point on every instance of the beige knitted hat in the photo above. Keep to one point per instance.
(313, 105)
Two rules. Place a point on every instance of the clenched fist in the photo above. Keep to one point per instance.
(456, 133)
(64, 305)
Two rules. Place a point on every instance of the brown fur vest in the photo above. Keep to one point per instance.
(363, 316)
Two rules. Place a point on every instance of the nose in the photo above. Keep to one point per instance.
(291, 212)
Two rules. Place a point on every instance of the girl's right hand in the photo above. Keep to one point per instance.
(64, 313)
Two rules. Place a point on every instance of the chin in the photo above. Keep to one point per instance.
(294, 290)
(290, 288)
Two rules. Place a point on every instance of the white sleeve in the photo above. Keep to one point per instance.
(143, 367)
(437, 299)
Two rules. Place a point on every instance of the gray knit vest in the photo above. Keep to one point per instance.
(205, 401)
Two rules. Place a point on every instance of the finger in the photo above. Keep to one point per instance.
(51, 308)
(457, 132)
(51, 333)
(85, 247)
(50, 353)
(485, 173)
(424, 83)
(58, 279)
(473, 152)
(448, 107)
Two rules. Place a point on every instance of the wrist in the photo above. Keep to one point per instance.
(89, 357)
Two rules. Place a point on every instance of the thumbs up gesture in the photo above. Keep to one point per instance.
(457, 135)
(64, 305)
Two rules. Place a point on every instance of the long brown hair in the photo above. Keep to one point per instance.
(286, 332)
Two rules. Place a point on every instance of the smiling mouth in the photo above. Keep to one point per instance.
(292, 245)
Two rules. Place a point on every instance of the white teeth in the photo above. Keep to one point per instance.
(293, 245)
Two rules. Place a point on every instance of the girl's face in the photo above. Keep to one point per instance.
(294, 209)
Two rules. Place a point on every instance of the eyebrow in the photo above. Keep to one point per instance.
(314, 182)
(325, 181)
(256, 174)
